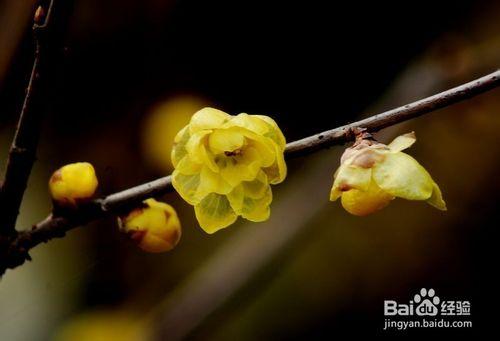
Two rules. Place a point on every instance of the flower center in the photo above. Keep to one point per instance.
(233, 152)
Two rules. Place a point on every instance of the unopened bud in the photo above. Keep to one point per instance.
(154, 226)
(73, 183)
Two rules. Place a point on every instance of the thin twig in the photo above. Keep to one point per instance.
(53, 227)
(388, 118)
(22, 153)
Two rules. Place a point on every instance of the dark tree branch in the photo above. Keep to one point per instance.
(47, 30)
(395, 116)
(53, 226)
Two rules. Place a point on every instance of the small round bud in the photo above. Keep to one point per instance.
(154, 227)
(72, 184)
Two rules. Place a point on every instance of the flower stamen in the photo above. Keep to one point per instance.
(233, 153)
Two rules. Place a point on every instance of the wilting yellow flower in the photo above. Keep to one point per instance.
(154, 227)
(372, 174)
(73, 183)
(224, 166)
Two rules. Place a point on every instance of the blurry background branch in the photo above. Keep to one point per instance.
(56, 226)
(48, 30)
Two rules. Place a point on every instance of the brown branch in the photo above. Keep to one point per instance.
(22, 153)
(388, 118)
(53, 227)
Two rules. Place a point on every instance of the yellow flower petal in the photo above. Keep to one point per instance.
(265, 150)
(335, 193)
(277, 172)
(261, 125)
(253, 209)
(275, 132)
(257, 188)
(211, 182)
(214, 213)
(187, 186)
(187, 166)
(197, 149)
(362, 203)
(194, 187)
(350, 177)
(234, 170)
(264, 145)
(225, 140)
(402, 176)
(207, 118)
(248, 122)
(402, 142)
(436, 198)
(257, 209)
(179, 147)
(182, 135)
(236, 197)
(367, 157)
(196, 143)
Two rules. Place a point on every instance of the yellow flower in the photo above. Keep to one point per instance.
(224, 166)
(154, 227)
(372, 174)
(73, 183)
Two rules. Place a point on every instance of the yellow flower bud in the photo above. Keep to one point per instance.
(154, 227)
(73, 183)
(372, 174)
(224, 166)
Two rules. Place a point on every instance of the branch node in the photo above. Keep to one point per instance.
(353, 132)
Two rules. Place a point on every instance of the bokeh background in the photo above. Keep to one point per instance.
(134, 73)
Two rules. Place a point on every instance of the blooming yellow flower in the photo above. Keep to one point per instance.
(154, 227)
(372, 174)
(73, 183)
(224, 166)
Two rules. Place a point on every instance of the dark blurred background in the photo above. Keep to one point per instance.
(136, 70)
